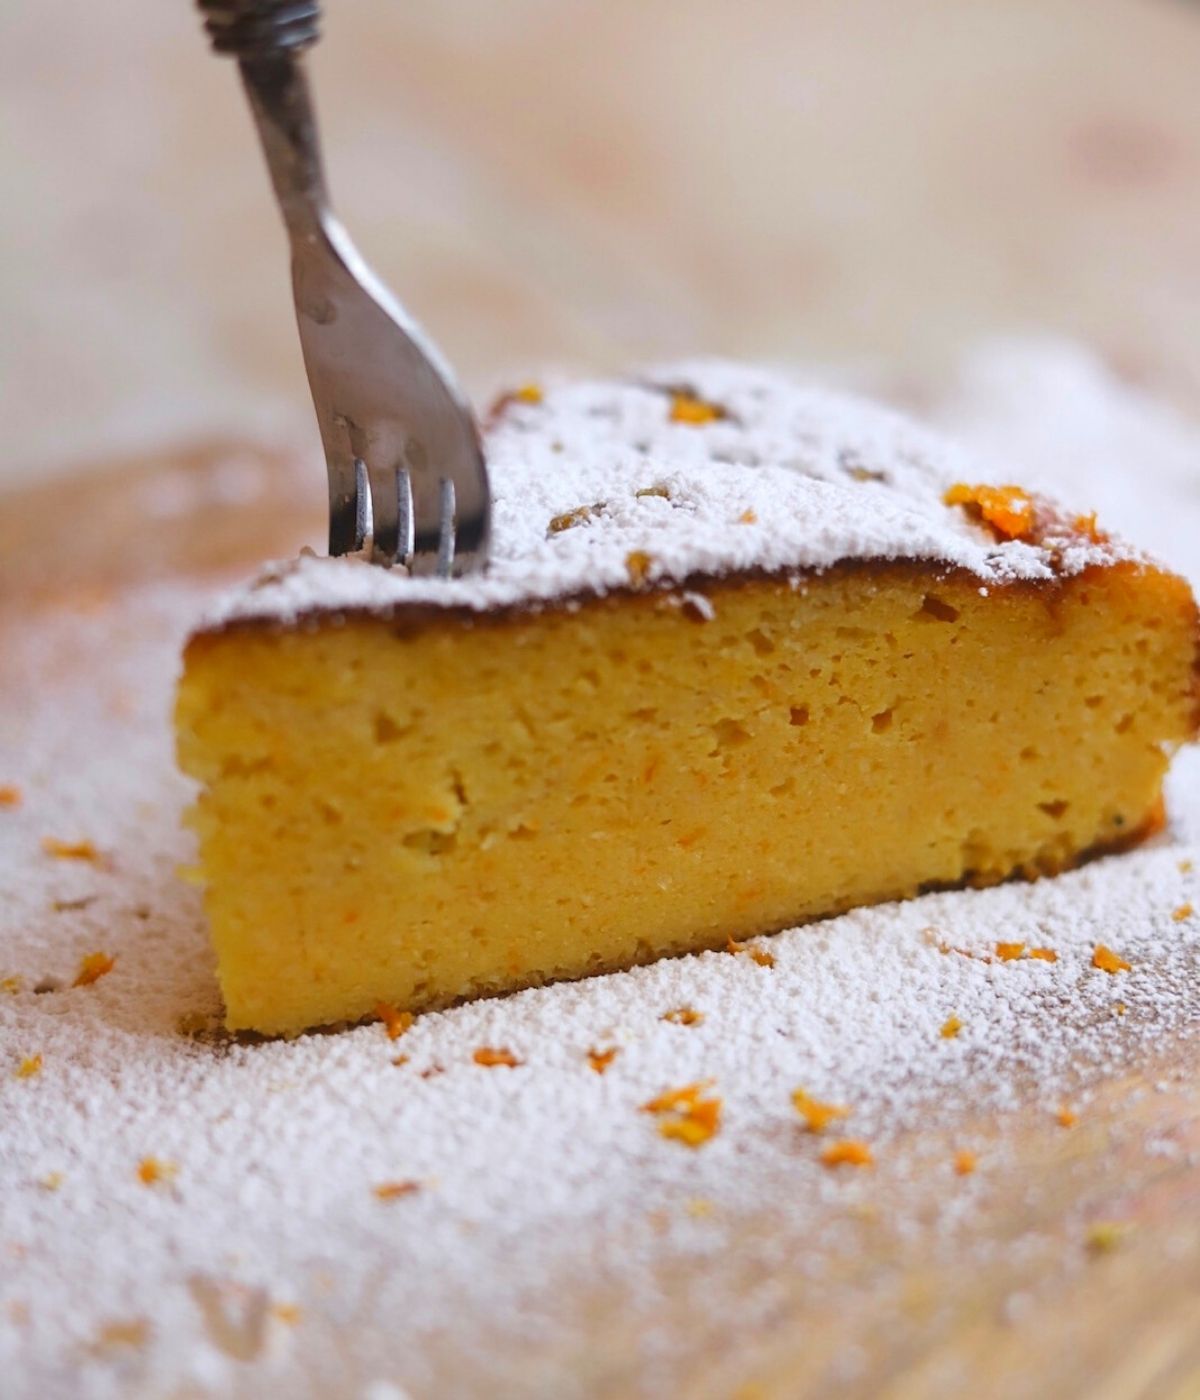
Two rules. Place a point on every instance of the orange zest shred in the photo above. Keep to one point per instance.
(599, 1060)
(847, 1152)
(559, 523)
(688, 408)
(1044, 954)
(1086, 525)
(684, 1016)
(29, 1066)
(10, 795)
(93, 966)
(950, 1028)
(676, 1100)
(528, 393)
(817, 1115)
(756, 955)
(11, 985)
(637, 565)
(491, 1056)
(288, 1313)
(688, 1116)
(69, 850)
(401, 1059)
(1066, 1117)
(1107, 961)
(395, 1022)
(151, 1170)
(747, 517)
(1106, 1235)
(1010, 952)
(394, 1190)
(965, 1162)
(1185, 911)
(1008, 510)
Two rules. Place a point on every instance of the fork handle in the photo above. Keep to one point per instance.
(268, 38)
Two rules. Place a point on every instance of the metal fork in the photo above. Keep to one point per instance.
(406, 468)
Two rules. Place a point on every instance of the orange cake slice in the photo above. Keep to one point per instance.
(747, 653)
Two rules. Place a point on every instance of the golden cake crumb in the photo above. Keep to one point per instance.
(1066, 1117)
(817, 1115)
(1086, 525)
(152, 1170)
(687, 408)
(559, 523)
(950, 1028)
(1010, 952)
(755, 954)
(1185, 867)
(11, 985)
(394, 1190)
(847, 1152)
(92, 967)
(1119, 1008)
(599, 1060)
(1107, 961)
(394, 1022)
(637, 565)
(965, 1162)
(1106, 1235)
(684, 1016)
(69, 850)
(401, 1059)
(1044, 954)
(1008, 510)
(492, 1056)
(1185, 911)
(29, 1066)
(10, 795)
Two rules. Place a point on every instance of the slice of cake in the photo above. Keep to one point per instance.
(746, 654)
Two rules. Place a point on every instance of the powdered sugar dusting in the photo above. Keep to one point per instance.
(788, 477)
(545, 1199)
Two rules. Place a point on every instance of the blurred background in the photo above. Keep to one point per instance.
(590, 182)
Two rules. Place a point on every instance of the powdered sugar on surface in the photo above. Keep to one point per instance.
(790, 477)
(545, 1196)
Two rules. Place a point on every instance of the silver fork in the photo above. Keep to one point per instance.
(406, 468)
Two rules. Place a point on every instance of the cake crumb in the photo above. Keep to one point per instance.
(684, 1016)
(965, 1162)
(1185, 911)
(1010, 952)
(1107, 961)
(569, 518)
(1120, 1008)
(637, 566)
(950, 1028)
(1008, 510)
(10, 795)
(152, 1170)
(689, 408)
(847, 1152)
(395, 1022)
(399, 1060)
(93, 966)
(599, 1060)
(1106, 1235)
(11, 985)
(755, 954)
(70, 850)
(817, 1115)
(491, 1056)
(29, 1066)
(394, 1190)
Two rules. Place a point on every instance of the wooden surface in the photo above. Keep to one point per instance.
(592, 182)
(1010, 1302)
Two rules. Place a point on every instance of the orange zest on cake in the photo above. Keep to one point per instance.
(950, 1028)
(10, 795)
(688, 1114)
(817, 1115)
(69, 850)
(1107, 961)
(93, 966)
(492, 1057)
(395, 1023)
(396, 1190)
(1184, 911)
(658, 730)
(599, 1060)
(1066, 1117)
(29, 1066)
(684, 1016)
(152, 1170)
(847, 1153)
(964, 1162)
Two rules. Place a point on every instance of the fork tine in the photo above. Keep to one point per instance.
(445, 554)
(344, 503)
(363, 522)
(404, 515)
(384, 514)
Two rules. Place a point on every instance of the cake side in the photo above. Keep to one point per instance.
(415, 814)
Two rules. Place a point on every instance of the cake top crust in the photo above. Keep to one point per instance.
(698, 470)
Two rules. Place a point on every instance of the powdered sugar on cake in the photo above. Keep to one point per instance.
(783, 477)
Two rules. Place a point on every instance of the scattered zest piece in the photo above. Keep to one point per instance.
(1106, 1235)
(1010, 952)
(1185, 911)
(51, 1181)
(1044, 954)
(1066, 1117)
(637, 565)
(1186, 867)
(401, 1059)
(11, 985)
(288, 1313)
(395, 1022)
(687, 408)
(1008, 510)
(1107, 961)
(497, 1055)
(1120, 1008)
(757, 955)
(92, 967)
(847, 1153)
(69, 850)
(394, 1190)
(817, 1115)
(950, 1028)
(688, 1116)
(29, 1066)
(747, 517)
(964, 1162)
(684, 1016)
(528, 393)
(559, 523)
(123, 1334)
(599, 1060)
(10, 795)
(1086, 525)
(152, 1170)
